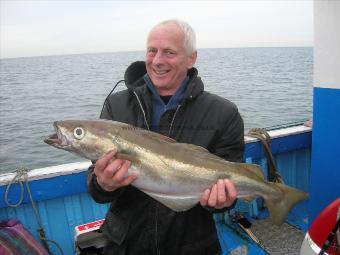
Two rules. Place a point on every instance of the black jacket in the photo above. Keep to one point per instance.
(137, 224)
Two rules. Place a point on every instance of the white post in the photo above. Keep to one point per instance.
(325, 173)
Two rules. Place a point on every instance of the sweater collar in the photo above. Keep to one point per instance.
(175, 98)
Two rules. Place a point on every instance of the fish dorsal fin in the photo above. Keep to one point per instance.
(203, 153)
(159, 137)
(193, 147)
(255, 169)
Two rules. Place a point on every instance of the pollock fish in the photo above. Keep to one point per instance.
(175, 174)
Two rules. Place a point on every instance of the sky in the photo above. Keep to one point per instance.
(58, 27)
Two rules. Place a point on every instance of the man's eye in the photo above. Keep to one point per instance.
(170, 53)
(152, 51)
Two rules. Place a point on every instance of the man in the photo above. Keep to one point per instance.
(165, 95)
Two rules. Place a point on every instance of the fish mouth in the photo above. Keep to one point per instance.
(56, 139)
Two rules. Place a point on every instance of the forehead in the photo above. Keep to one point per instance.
(166, 36)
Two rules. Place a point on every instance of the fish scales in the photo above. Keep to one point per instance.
(175, 174)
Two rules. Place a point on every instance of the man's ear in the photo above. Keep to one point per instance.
(192, 59)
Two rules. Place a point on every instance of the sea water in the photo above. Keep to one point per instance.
(270, 86)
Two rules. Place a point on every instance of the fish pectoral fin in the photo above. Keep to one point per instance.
(176, 203)
(128, 157)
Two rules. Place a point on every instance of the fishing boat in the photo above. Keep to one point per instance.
(54, 200)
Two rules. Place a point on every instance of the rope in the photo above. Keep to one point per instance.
(264, 137)
(20, 172)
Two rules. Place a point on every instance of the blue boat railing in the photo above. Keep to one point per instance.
(60, 192)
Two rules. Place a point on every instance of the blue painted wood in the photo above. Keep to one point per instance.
(44, 189)
(325, 173)
(281, 145)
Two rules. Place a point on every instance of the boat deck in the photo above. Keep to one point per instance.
(282, 240)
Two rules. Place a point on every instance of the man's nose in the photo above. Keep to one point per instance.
(158, 58)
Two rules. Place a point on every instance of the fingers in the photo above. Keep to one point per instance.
(222, 194)
(120, 170)
(232, 192)
(205, 197)
(212, 201)
(129, 179)
(113, 167)
(112, 173)
(104, 161)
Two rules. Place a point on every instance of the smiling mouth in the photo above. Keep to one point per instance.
(157, 72)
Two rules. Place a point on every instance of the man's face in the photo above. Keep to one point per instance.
(167, 61)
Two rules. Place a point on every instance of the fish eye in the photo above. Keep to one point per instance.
(79, 132)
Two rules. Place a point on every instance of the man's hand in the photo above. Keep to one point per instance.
(112, 173)
(222, 194)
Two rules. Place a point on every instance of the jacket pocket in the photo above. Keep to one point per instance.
(115, 227)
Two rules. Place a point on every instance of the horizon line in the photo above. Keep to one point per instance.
(127, 51)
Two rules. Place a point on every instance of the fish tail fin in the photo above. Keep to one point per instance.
(279, 208)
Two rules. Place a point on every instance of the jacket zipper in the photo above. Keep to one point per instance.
(170, 129)
(158, 252)
(144, 115)
(173, 120)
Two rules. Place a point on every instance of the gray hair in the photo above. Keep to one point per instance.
(188, 31)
